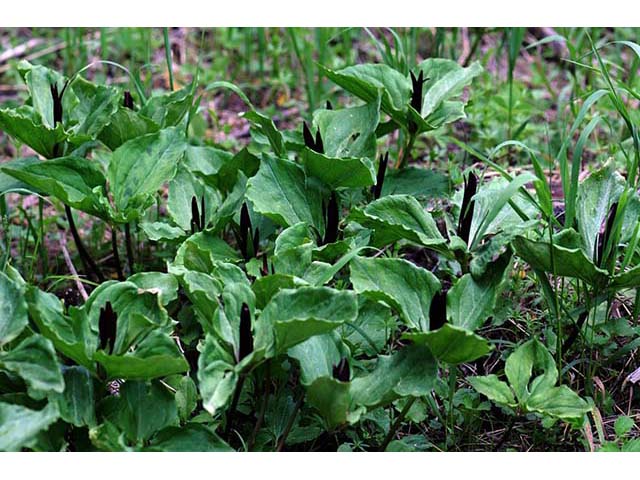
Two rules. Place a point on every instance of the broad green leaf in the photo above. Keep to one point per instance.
(470, 303)
(192, 437)
(445, 79)
(371, 330)
(160, 231)
(39, 80)
(520, 365)
(23, 125)
(349, 132)
(13, 310)
(331, 398)
(401, 284)
(336, 172)
(293, 316)
(412, 371)
(168, 109)
(19, 426)
(493, 388)
(186, 397)
(293, 251)
(77, 182)
(317, 356)
(126, 125)
(226, 319)
(163, 284)
(141, 409)
(596, 194)
(182, 189)
(69, 334)
(422, 183)
(34, 360)
(561, 402)
(217, 377)
(452, 344)
(157, 355)
(95, 108)
(569, 259)
(264, 126)
(77, 403)
(280, 191)
(397, 217)
(9, 183)
(266, 287)
(202, 252)
(368, 80)
(139, 167)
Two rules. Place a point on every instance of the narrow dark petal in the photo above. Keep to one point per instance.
(319, 145)
(128, 100)
(467, 208)
(341, 371)
(438, 311)
(57, 104)
(333, 218)
(246, 337)
(604, 235)
(202, 214)
(195, 214)
(308, 137)
(329, 105)
(245, 227)
(107, 325)
(382, 168)
(416, 91)
(265, 265)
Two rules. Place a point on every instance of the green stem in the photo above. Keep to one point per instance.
(127, 236)
(396, 424)
(85, 258)
(234, 405)
(167, 53)
(116, 255)
(290, 422)
(404, 161)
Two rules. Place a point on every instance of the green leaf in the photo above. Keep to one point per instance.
(126, 125)
(76, 182)
(95, 108)
(493, 388)
(331, 398)
(317, 356)
(139, 167)
(445, 79)
(164, 285)
(19, 426)
(34, 360)
(368, 80)
(264, 126)
(561, 402)
(520, 365)
(186, 397)
(9, 183)
(452, 344)
(401, 284)
(338, 172)
(369, 333)
(23, 125)
(266, 287)
(217, 377)
(470, 303)
(141, 409)
(157, 355)
(421, 183)
(349, 132)
(623, 425)
(296, 315)
(182, 189)
(13, 310)
(397, 217)
(168, 109)
(191, 437)
(412, 371)
(596, 194)
(568, 261)
(202, 252)
(280, 191)
(77, 403)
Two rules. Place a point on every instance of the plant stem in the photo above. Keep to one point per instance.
(290, 422)
(506, 434)
(167, 52)
(116, 255)
(407, 152)
(87, 261)
(263, 407)
(234, 405)
(127, 236)
(396, 425)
